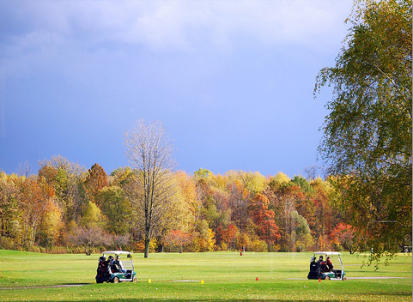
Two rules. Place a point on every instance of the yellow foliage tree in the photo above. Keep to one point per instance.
(51, 223)
(92, 216)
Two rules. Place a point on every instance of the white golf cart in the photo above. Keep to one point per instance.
(319, 269)
(109, 270)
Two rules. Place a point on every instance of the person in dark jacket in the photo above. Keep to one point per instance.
(322, 264)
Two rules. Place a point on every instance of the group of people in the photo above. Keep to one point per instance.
(325, 266)
(114, 264)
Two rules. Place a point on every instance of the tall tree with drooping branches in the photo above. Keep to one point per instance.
(368, 133)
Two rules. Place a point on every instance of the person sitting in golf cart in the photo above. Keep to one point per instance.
(119, 264)
(111, 260)
(321, 264)
(330, 266)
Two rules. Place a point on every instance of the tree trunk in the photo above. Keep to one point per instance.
(146, 247)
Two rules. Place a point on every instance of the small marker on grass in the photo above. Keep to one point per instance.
(149, 281)
(202, 281)
(256, 279)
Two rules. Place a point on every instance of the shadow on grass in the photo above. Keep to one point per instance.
(46, 286)
(405, 294)
(205, 300)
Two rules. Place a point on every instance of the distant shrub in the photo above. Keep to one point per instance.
(6, 243)
(258, 246)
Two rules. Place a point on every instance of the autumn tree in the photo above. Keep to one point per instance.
(49, 173)
(149, 151)
(368, 133)
(118, 241)
(303, 184)
(284, 204)
(202, 173)
(51, 224)
(226, 238)
(89, 238)
(35, 197)
(90, 232)
(302, 233)
(177, 240)
(254, 182)
(324, 214)
(67, 180)
(57, 178)
(120, 176)
(96, 179)
(343, 235)
(213, 215)
(116, 207)
(238, 201)
(263, 218)
(9, 194)
(278, 180)
(92, 217)
(189, 204)
(24, 169)
(204, 238)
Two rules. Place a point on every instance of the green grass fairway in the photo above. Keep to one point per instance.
(177, 277)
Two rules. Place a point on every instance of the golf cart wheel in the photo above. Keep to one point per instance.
(327, 278)
(116, 280)
(344, 278)
(135, 279)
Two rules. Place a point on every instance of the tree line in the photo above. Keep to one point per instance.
(66, 208)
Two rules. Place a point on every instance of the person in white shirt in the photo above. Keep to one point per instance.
(119, 263)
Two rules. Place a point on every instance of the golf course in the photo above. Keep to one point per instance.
(216, 276)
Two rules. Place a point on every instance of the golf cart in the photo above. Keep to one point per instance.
(110, 270)
(321, 270)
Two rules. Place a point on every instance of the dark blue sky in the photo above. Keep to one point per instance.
(232, 81)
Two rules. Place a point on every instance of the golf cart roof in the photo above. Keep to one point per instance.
(117, 252)
(328, 253)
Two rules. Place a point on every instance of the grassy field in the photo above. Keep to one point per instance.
(226, 276)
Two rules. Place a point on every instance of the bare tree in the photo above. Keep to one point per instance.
(151, 190)
(120, 240)
(60, 162)
(89, 237)
(24, 169)
(311, 172)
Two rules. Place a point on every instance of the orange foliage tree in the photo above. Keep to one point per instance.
(343, 234)
(96, 179)
(33, 203)
(177, 240)
(263, 218)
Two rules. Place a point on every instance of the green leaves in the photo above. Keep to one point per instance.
(368, 132)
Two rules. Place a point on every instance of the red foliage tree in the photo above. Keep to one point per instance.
(343, 234)
(177, 240)
(263, 218)
(228, 235)
(34, 200)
